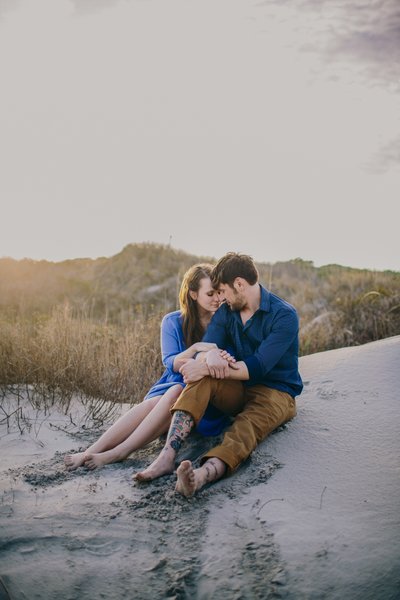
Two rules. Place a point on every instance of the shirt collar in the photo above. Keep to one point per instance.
(265, 299)
(265, 302)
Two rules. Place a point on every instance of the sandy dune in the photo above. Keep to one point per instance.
(313, 514)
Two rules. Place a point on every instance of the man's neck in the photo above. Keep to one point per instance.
(253, 301)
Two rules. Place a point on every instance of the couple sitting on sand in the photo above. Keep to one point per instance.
(230, 352)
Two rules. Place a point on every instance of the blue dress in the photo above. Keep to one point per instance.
(173, 343)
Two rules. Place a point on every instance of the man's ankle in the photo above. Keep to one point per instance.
(214, 469)
(169, 452)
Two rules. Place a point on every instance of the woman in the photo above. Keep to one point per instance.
(181, 332)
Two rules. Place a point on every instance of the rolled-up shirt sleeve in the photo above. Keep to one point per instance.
(170, 342)
(283, 332)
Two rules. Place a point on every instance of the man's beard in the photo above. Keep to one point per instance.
(238, 302)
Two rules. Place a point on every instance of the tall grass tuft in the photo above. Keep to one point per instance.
(354, 319)
(67, 354)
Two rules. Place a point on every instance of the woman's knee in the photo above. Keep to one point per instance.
(174, 393)
(151, 402)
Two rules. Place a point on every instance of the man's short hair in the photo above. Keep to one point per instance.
(234, 265)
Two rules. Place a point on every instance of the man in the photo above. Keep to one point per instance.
(261, 331)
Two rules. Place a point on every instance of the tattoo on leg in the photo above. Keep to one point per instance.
(181, 426)
(176, 443)
(212, 475)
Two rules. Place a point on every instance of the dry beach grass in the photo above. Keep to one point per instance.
(68, 352)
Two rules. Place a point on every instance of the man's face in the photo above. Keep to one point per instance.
(234, 299)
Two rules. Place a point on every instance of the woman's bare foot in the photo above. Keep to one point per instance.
(73, 461)
(96, 460)
(162, 465)
(186, 484)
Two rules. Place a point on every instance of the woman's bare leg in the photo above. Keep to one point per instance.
(116, 434)
(153, 425)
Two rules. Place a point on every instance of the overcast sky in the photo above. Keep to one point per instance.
(265, 127)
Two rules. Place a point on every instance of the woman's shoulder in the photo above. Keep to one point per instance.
(173, 318)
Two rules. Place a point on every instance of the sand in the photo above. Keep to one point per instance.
(314, 513)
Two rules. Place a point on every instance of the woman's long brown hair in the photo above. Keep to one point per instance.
(192, 328)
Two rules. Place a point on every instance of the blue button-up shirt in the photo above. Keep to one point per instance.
(267, 343)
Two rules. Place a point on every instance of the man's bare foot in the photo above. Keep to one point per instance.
(192, 480)
(73, 461)
(186, 484)
(162, 465)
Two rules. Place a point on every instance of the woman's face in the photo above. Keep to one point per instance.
(206, 297)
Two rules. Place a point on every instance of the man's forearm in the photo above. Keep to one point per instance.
(239, 371)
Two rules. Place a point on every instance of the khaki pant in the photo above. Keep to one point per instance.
(258, 410)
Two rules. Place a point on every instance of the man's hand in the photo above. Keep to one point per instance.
(231, 359)
(218, 366)
(193, 370)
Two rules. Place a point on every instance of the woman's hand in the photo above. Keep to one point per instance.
(188, 354)
(193, 370)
